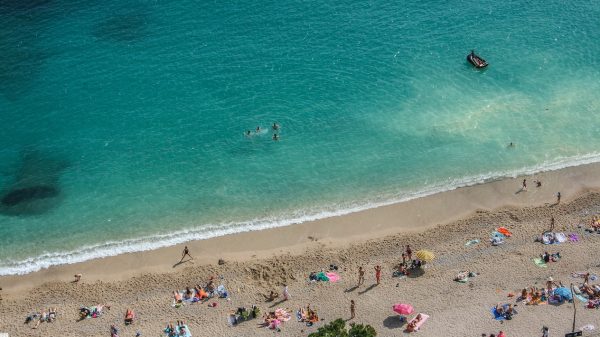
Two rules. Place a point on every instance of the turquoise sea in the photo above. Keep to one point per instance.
(123, 121)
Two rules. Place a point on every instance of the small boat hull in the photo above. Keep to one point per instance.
(476, 61)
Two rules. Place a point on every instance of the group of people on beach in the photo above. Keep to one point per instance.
(275, 127)
(48, 316)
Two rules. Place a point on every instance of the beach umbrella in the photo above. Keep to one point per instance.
(425, 255)
(403, 308)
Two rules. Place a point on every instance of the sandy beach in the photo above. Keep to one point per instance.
(257, 262)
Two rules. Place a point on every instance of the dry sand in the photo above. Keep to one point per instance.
(257, 262)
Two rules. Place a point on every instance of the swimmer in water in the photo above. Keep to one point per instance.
(275, 136)
(275, 126)
(257, 129)
(248, 133)
(511, 144)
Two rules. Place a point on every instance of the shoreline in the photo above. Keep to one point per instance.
(165, 240)
(415, 215)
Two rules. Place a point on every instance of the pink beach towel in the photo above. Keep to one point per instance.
(333, 277)
(424, 318)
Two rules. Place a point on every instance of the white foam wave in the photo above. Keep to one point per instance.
(112, 248)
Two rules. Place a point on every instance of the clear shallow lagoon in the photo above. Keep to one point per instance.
(134, 113)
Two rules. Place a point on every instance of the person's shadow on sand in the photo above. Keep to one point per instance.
(277, 303)
(181, 262)
(349, 290)
(367, 289)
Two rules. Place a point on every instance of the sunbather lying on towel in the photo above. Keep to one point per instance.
(504, 310)
(412, 326)
(177, 296)
(129, 316)
(200, 293)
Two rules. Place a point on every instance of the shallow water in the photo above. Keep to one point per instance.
(135, 112)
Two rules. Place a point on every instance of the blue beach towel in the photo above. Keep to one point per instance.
(496, 315)
(581, 298)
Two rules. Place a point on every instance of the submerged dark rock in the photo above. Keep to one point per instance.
(28, 194)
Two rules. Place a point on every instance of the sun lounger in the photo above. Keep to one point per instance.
(424, 318)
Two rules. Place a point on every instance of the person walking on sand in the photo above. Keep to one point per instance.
(558, 198)
(361, 276)
(286, 294)
(408, 253)
(545, 332)
(377, 273)
(352, 309)
(524, 188)
(186, 252)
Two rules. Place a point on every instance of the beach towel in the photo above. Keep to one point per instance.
(504, 231)
(581, 298)
(560, 237)
(472, 242)
(498, 234)
(222, 291)
(498, 316)
(551, 238)
(282, 315)
(577, 274)
(573, 237)
(424, 318)
(333, 277)
(322, 277)
(540, 263)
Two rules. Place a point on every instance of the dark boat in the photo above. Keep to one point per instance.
(476, 61)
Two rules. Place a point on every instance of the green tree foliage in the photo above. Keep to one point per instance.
(337, 328)
(359, 330)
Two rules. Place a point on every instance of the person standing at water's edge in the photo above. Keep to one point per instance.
(558, 198)
(524, 185)
(186, 252)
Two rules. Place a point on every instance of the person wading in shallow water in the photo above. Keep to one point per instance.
(186, 251)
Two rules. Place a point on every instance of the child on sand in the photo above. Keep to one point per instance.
(352, 309)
